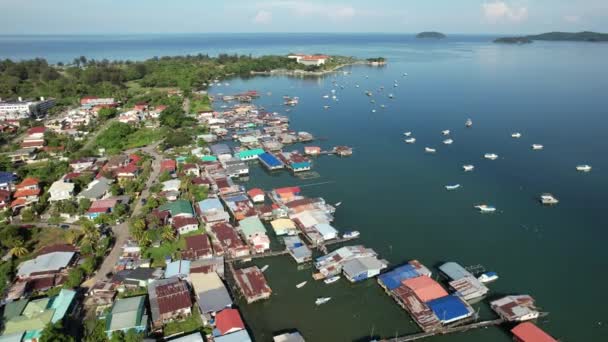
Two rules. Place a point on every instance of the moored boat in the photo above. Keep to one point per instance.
(350, 235)
(516, 135)
(448, 142)
(429, 150)
(332, 279)
(322, 300)
(468, 123)
(491, 156)
(537, 147)
(484, 208)
(548, 198)
(407, 134)
(300, 285)
(583, 168)
(410, 140)
(445, 132)
(468, 167)
(264, 268)
(488, 277)
(452, 187)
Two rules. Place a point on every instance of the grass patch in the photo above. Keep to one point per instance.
(200, 104)
(144, 137)
(167, 248)
(190, 324)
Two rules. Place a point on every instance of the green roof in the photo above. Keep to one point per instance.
(35, 307)
(25, 323)
(14, 309)
(126, 313)
(209, 158)
(61, 303)
(177, 207)
(251, 226)
(16, 337)
(250, 153)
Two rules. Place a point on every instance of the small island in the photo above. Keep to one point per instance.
(585, 36)
(376, 61)
(431, 35)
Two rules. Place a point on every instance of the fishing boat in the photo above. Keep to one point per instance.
(491, 156)
(516, 135)
(351, 235)
(488, 277)
(332, 279)
(264, 268)
(326, 107)
(368, 93)
(300, 285)
(337, 204)
(548, 199)
(407, 134)
(325, 96)
(429, 150)
(484, 208)
(448, 141)
(583, 168)
(468, 123)
(322, 300)
(410, 140)
(468, 167)
(445, 132)
(452, 187)
(537, 147)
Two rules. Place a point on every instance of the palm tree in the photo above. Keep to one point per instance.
(91, 234)
(18, 249)
(168, 233)
(144, 239)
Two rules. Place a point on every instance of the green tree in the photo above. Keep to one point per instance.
(75, 277)
(83, 205)
(18, 249)
(88, 265)
(106, 113)
(95, 331)
(55, 333)
(27, 215)
(168, 233)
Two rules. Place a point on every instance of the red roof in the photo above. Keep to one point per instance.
(26, 193)
(29, 181)
(425, 288)
(104, 204)
(288, 190)
(252, 282)
(168, 165)
(172, 297)
(181, 221)
(255, 192)
(5, 194)
(130, 168)
(134, 158)
(18, 202)
(528, 332)
(36, 130)
(198, 242)
(228, 320)
(32, 143)
(72, 175)
(58, 247)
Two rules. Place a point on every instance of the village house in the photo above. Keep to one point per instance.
(61, 190)
(27, 193)
(212, 211)
(185, 225)
(23, 155)
(228, 321)
(47, 264)
(168, 165)
(169, 301)
(211, 293)
(191, 169)
(252, 284)
(101, 207)
(97, 189)
(178, 269)
(126, 314)
(178, 208)
(227, 240)
(197, 247)
(255, 233)
(82, 164)
(256, 195)
(5, 199)
(34, 138)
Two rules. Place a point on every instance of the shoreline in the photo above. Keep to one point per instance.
(300, 72)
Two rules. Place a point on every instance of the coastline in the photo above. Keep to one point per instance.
(300, 72)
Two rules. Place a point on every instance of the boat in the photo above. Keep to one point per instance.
(485, 208)
(583, 168)
(448, 141)
(547, 198)
(264, 268)
(468, 123)
(468, 167)
(516, 135)
(446, 132)
(407, 134)
(325, 96)
(429, 150)
(300, 285)
(351, 235)
(488, 277)
(491, 156)
(405, 74)
(332, 279)
(373, 110)
(338, 204)
(410, 140)
(326, 107)
(368, 93)
(322, 300)
(537, 147)
(452, 187)
(390, 96)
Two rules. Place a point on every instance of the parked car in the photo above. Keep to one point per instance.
(65, 226)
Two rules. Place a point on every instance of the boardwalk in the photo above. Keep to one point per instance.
(257, 256)
(446, 331)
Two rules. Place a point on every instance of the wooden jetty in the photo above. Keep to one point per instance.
(447, 330)
(258, 256)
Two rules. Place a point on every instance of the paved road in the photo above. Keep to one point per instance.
(121, 231)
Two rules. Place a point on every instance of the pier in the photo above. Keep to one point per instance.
(257, 256)
(447, 330)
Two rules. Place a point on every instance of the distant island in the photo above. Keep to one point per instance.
(585, 36)
(431, 34)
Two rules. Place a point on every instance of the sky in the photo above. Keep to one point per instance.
(211, 16)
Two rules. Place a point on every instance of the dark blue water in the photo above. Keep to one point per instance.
(553, 93)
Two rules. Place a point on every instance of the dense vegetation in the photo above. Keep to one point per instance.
(585, 36)
(431, 34)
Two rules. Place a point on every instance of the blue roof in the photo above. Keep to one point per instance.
(178, 268)
(239, 336)
(6, 177)
(449, 308)
(393, 279)
(300, 165)
(270, 159)
(210, 204)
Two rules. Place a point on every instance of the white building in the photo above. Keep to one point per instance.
(61, 190)
(20, 109)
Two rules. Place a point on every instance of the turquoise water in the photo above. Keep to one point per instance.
(392, 192)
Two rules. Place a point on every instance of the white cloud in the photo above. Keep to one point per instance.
(262, 17)
(307, 8)
(572, 18)
(499, 10)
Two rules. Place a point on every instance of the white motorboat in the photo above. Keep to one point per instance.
(405, 74)
(488, 277)
(325, 96)
(410, 140)
(407, 134)
(516, 135)
(350, 235)
(452, 187)
(326, 107)
(332, 279)
(322, 300)
(264, 268)
(300, 285)
(583, 168)
(547, 198)
(491, 156)
(429, 150)
(537, 147)
(468, 123)
(484, 208)
(373, 110)
(390, 96)
(448, 141)
(446, 132)
(468, 167)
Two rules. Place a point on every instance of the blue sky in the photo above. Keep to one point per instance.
(190, 16)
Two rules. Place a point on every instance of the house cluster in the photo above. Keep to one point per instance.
(141, 112)
(17, 195)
